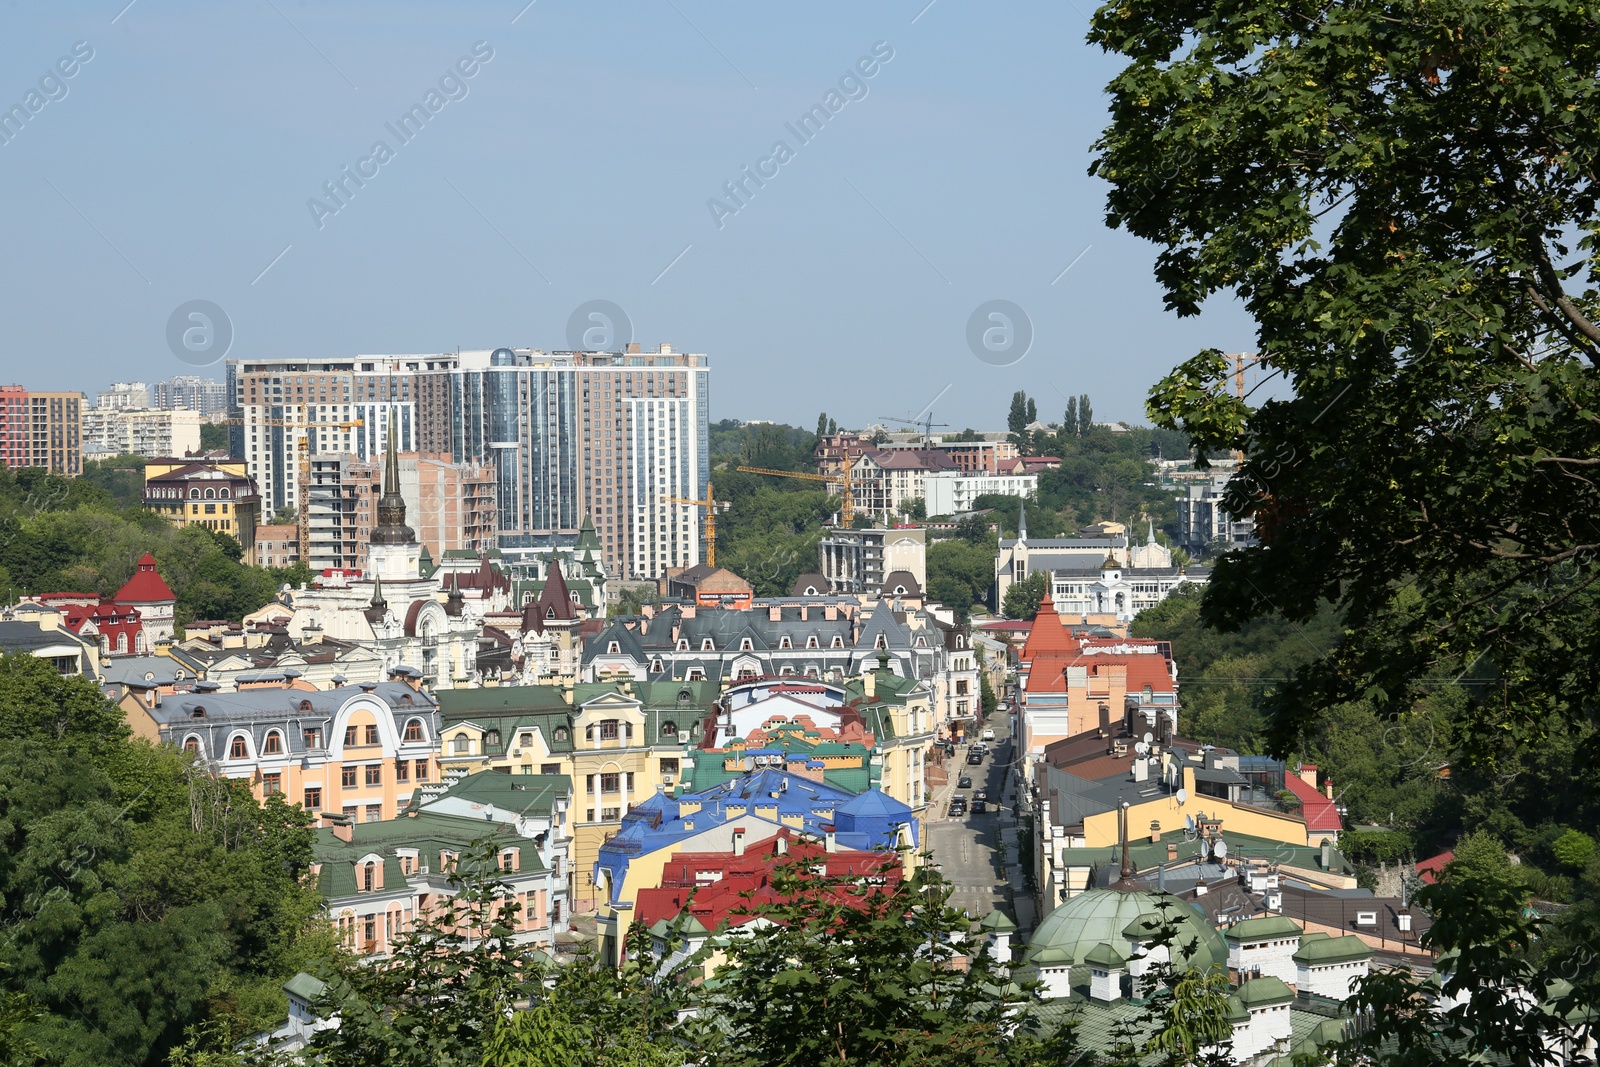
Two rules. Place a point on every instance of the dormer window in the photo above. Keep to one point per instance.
(613, 647)
(608, 730)
(413, 731)
(561, 733)
(745, 645)
(237, 749)
(881, 642)
(656, 666)
(191, 746)
(784, 642)
(669, 729)
(305, 705)
(811, 642)
(273, 744)
(198, 713)
(705, 645)
(838, 642)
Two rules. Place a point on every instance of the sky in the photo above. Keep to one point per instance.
(572, 153)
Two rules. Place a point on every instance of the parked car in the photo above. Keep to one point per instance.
(964, 782)
(988, 735)
(979, 807)
(958, 805)
(975, 758)
(980, 795)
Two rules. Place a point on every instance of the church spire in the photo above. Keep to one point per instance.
(1022, 522)
(392, 528)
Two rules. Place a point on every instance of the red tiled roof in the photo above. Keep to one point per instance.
(1430, 869)
(1321, 814)
(146, 586)
(1048, 634)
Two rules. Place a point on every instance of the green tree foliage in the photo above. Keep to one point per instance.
(122, 477)
(67, 533)
(1574, 849)
(1017, 419)
(960, 573)
(1022, 598)
(138, 896)
(213, 436)
(852, 973)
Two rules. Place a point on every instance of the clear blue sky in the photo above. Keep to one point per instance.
(179, 162)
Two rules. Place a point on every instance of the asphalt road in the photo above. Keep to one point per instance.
(966, 847)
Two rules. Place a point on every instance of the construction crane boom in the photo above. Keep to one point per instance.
(926, 425)
(710, 504)
(303, 447)
(847, 507)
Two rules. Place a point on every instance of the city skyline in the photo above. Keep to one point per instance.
(839, 257)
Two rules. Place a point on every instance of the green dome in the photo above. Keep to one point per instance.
(1101, 917)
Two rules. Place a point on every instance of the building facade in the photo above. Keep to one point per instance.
(451, 504)
(123, 430)
(123, 395)
(610, 435)
(215, 494)
(55, 432)
(14, 441)
(208, 397)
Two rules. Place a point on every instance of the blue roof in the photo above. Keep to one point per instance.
(867, 821)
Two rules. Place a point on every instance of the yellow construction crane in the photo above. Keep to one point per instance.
(303, 447)
(710, 504)
(1241, 360)
(847, 508)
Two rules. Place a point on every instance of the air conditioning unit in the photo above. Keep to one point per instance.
(422, 869)
(516, 752)
(666, 779)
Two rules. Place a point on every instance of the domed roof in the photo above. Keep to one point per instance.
(1104, 916)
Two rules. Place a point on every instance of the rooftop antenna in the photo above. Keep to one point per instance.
(1128, 870)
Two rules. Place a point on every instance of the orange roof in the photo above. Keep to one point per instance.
(146, 586)
(1048, 633)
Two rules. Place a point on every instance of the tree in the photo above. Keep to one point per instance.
(848, 972)
(213, 436)
(1022, 598)
(914, 509)
(1574, 849)
(822, 425)
(1069, 421)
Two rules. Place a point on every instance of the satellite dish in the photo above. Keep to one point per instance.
(1222, 849)
(749, 763)
(1149, 738)
(1183, 795)
(1188, 820)
(1141, 748)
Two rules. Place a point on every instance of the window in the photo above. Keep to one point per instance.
(608, 730)
(492, 739)
(350, 735)
(369, 881)
(961, 688)
(705, 645)
(422, 770)
(413, 731)
(561, 733)
(402, 770)
(370, 930)
(669, 766)
(236, 750)
(313, 737)
(347, 777)
(313, 799)
(271, 784)
(192, 746)
(460, 746)
(550, 768)
(374, 812)
(838, 642)
(610, 782)
(375, 775)
(610, 814)
(350, 812)
(630, 781)
(372, 734)
(784, 642)
(273, 745)
(508, 860)
(669, 729)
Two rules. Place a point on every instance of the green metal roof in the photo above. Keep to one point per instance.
(996, 921)
(1333, 949)
(305, 986)
(1266, 928)
(1264, 990)
(428, 833)
(1106, 957)
(526, 794)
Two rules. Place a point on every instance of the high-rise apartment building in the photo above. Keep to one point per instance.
(120, 431)
(608, 435)
(208, 397)
(343, 508)
(339, 405)
(123, 395)
(55, 432)
(13, 426)
(449, 504)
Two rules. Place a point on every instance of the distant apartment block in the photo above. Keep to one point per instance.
(122, 431)
(208, 397)
(123, 395)
(952, 492)
(14, 444)
(607, 435)
(1202, 520)
(277, 545)
(339, 406)
(343, 510)
(859, 561)
(450, 505)
(55, 432)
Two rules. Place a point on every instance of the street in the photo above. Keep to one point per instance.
(965, 847)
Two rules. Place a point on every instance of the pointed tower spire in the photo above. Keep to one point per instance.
(392, 528)
(1022, 522)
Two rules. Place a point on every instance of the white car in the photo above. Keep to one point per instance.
(988, 735)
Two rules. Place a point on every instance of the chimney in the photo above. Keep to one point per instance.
(1172, 852)
(1327, 853)
(343, 831)
(774, 613)
(738, 841)
(869, 684)
(633, 348)
(1308, 774)
(1327, 788)
(1155, 831)
(830, 838)
(783, 845)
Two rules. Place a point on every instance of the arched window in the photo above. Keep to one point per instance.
(211, 494)
(561, 733)
(305, 705)
(369, 876)
(194, 494)
(669, 729)
(191, 746)
(223, 492)
(272, 744)
(237, 749)
(413, 730)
